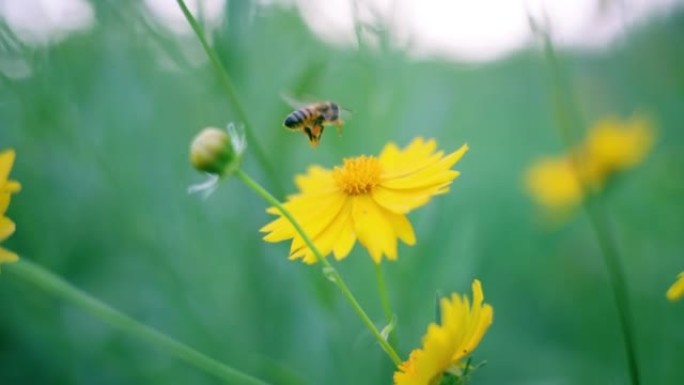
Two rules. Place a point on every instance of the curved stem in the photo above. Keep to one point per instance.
(330, 272)
(384, 300)
(48, 281)
(607, 244)
(232, 94)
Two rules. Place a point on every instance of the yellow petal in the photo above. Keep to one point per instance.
(425, 366)
(438, 172)
(317, 180)
(400, 201)
(7, 228)
(313, 214)
(402, 227)
(676, 291)
(4, 202)
(326, 222)
(346, 237)
(6, 162)
(328, 230)
(327, 239)
(7, 256)
(553, 182)
(373, 229)
(323, 215)
(613, 145)
(408, 166)
(11, 186)
(412, 157)
(479, 319)
(415, 158)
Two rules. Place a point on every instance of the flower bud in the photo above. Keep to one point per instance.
(212, 151)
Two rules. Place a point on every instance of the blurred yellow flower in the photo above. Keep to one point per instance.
(612, 145)
(367, 198)
(445, 345)
(559, 183)
(7, 187)
(554, 182)
(676, 291)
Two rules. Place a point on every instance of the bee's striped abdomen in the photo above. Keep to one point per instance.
(297, 118)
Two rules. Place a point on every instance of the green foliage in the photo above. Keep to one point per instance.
(102, 127)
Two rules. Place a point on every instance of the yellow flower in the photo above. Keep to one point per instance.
(554, 183)
(7, 187)
(367, 198)
(445, 345)
(613, 145)
(559, 183)
(6, 229)
(676, 291)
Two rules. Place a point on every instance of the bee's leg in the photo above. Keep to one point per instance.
(309, 134)
(316, 133)
(339, 123)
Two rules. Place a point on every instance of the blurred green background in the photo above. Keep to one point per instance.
(102, 125)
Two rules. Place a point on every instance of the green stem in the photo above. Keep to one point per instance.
(616, 275)
(607, 244)
(232, 95)
(48, 281)
(328, 269)
(384, 300)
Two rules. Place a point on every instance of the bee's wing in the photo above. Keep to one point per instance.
(294, 102)
(345, 113)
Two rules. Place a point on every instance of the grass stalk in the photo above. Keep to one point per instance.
(55, 285)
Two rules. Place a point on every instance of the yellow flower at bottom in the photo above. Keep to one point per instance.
(6, 229)
(460, 331)
(7, 187)
(367, 198)
(676, 291)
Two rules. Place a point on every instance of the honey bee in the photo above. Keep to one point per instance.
(311, 119)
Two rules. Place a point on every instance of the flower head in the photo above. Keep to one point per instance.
(612, 145)
(7, 187)
(554, 182)
(461, 328)
(367, 198)
(676, 291)
(560, 183)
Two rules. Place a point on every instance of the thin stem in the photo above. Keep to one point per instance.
(227, 84)
(616, 274)
(330, 272)
(597, 218)
(53, 284)
(384, 300)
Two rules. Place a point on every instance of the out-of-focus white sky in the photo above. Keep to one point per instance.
(481, 29)
(462, 29)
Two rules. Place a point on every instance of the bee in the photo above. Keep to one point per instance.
(311, 119)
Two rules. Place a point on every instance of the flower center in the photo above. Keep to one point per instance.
(358, 176)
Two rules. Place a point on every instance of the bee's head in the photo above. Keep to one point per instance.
(291, 121)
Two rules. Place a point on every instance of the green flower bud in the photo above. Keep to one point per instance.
(218, 153)
(212, 151)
